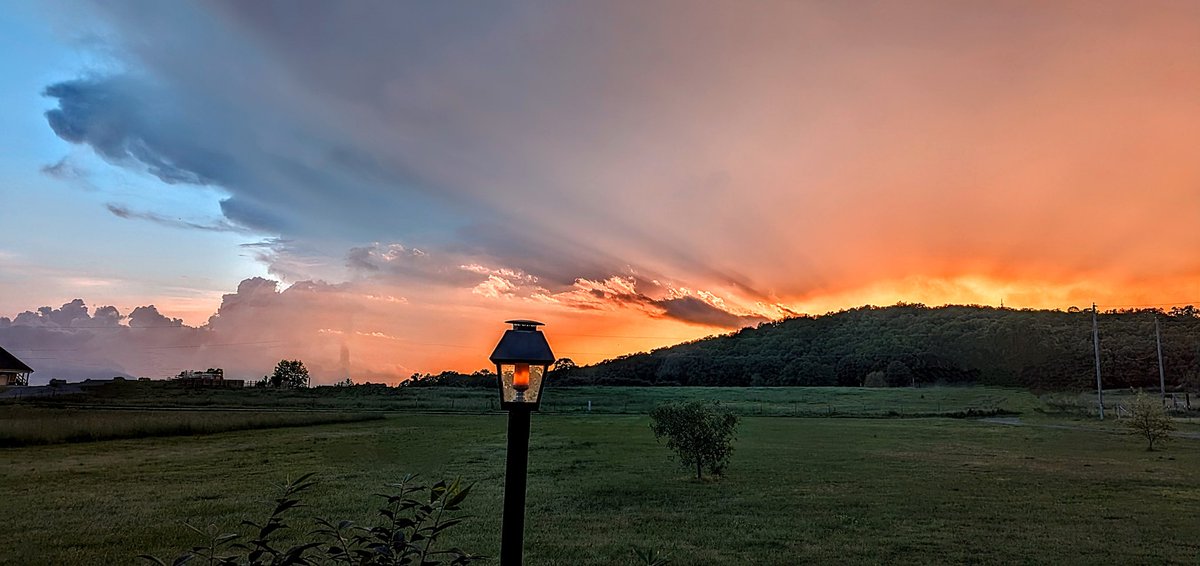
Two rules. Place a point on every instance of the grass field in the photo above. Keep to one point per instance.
(750, 401)
(860, 491)
(23, 426)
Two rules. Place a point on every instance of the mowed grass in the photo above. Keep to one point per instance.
(750, 401)
(23, 426)
(856, 491)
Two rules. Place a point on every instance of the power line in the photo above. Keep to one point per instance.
(619, 336)
(1175, 304)
(214, 345)
(118, 327)
(157, 347)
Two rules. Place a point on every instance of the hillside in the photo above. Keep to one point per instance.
(906, 344)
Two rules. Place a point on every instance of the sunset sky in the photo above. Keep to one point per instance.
(374, 187)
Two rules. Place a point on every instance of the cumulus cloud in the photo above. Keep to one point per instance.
(68, 341)
(149, 317)
(107, 317)
(245, 336)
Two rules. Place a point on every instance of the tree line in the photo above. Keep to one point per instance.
(913, 344)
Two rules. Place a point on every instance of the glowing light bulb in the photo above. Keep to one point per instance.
(521, 377)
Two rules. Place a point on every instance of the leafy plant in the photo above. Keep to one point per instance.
(414, 517)
(650, 557)
(700, 432)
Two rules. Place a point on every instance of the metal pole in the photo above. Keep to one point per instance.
(1096, 343)
(512, 530)
(1162, 380)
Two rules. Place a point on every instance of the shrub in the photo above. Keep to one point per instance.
(700, 432)
(414, 516)
(1149, 420)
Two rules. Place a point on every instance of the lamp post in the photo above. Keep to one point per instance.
(522, 359)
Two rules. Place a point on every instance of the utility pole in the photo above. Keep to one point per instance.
(1162, 380)
(1096, 343)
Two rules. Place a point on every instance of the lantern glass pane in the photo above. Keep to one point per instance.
(521, 383)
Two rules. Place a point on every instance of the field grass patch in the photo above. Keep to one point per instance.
(27, 426)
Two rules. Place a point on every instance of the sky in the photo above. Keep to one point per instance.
(374, 187)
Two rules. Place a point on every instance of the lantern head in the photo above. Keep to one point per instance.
(522, 359)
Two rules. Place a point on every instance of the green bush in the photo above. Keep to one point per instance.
(700, 432)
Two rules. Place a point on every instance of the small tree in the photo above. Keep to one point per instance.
(898, 374)
(875, 379)
(700, 432)
(1149, 420)
(289, 373)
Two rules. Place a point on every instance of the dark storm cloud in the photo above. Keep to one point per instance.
(409, 123)
(696, 311)
(185, 136)
(114, 115)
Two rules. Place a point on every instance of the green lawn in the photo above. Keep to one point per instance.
(766, 401)
(863, 491)
(23, 425)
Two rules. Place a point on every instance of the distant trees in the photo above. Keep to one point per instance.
(1149, 420)
(483, 378)
(288, 373)
(564, 365)
(699, 432)
(562, 369)
(912, 344)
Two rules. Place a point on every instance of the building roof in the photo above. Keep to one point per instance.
(9, 362)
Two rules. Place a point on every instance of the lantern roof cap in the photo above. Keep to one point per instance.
(523, 343)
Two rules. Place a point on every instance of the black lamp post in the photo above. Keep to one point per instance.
(522, 359)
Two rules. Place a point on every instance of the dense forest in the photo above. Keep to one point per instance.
(911, 344)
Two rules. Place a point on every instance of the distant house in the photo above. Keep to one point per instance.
(12, 370)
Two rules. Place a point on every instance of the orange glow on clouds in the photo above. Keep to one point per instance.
(665, 171)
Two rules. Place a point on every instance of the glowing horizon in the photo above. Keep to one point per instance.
(634, 175)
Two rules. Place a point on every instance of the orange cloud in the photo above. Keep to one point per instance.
(639, 174)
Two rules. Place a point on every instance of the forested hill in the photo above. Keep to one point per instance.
(906, 344)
